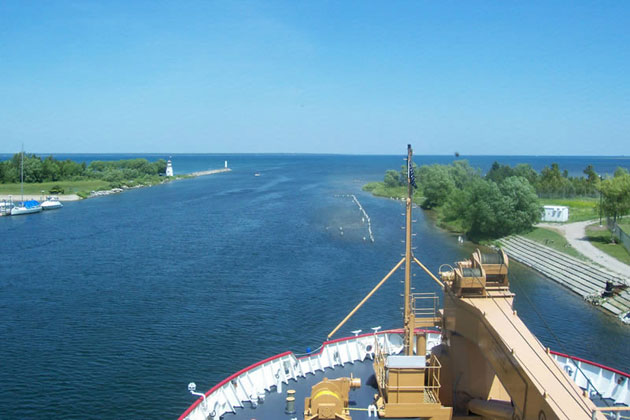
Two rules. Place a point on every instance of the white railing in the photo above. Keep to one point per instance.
(250, 384)
(595, 378)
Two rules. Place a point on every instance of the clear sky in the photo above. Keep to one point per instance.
(359, 77)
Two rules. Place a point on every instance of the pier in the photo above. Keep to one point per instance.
(585, 279)
(210, 172)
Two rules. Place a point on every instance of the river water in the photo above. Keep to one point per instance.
(110, 306)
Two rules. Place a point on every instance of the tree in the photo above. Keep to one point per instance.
(522, 202)
(33, 169)
(526, 171)
(554, 182)
(616, 195)
(498, 172)
(462, 173)
(392, 178)
(436, 183)
(485, 209)
(591, 175)
(50, 169)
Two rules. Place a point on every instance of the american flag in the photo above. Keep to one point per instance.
(410, 174)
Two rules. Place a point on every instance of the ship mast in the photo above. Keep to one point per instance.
(408, 316)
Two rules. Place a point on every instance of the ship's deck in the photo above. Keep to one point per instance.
(232, 398)
(273, 408)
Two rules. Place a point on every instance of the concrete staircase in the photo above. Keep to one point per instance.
(580, 277)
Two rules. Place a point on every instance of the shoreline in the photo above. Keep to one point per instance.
(18, 197)
(101, 193)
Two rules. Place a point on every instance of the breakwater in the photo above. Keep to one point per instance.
(210, 172)
(103, 193)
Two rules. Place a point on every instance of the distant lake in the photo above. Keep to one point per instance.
(112, 305)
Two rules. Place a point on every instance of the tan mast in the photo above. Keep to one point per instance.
(408, 316)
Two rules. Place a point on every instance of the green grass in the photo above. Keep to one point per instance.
(601, 239)
(580, 208)
(624, 224)
(554, 240)
(379, 189)
(69, 187)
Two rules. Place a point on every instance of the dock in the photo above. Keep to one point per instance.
(583, 278)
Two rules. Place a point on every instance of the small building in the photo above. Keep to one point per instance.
(169, 168)
(553, 213)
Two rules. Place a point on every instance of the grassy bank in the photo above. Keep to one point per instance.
(69, 187)
(601, 238)
(379, 189)
(580, 208)
(553, 239)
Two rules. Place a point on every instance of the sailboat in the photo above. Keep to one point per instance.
(29, 206)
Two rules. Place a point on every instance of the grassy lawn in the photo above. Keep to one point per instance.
(554, 240)
(601, 239)
(624, 224)
(580, 208)
(69, 187)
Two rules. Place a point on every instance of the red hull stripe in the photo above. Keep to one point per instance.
(588, 362)
(338, 340)
(228, 379)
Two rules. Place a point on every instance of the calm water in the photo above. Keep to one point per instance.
(110, 306)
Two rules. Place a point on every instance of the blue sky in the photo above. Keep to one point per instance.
(359, 77)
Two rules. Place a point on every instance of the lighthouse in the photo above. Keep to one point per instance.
(169, 168)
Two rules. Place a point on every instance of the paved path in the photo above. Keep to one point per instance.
(575, 235)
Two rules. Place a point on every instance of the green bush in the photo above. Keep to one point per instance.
(56, 189)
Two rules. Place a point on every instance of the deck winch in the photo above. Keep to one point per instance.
(329, 399)
(478, 275)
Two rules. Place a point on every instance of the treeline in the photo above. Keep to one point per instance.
(551, 182)
(506, 199)
(487, 207)
(50, 169)
(483, 207)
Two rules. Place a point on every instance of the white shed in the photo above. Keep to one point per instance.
(555, 213)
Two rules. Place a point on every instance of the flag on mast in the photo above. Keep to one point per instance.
(411, 174)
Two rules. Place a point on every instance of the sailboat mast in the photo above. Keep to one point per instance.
(22, 175)
(408, 316)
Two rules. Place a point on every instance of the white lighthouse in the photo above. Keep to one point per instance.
(169, 168)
